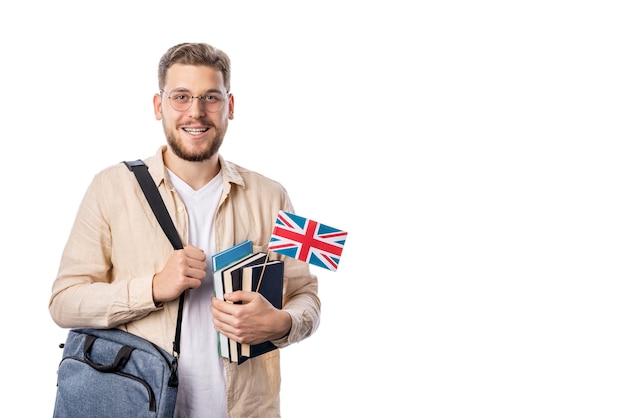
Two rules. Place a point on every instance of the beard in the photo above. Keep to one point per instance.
(177, 146)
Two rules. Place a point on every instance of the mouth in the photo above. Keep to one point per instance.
(195, 131)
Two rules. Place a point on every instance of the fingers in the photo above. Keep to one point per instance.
(185, 269)
(244, 322)
(191, 262)
(226, 319)
(241, 296)
(194, 270)
(194, 253)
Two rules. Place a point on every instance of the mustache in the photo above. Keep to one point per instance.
(196, 123)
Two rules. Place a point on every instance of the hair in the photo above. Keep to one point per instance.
(195, 54)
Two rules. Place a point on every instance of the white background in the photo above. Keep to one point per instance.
(474, 152)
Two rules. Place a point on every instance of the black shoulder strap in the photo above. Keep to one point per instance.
(140, 169)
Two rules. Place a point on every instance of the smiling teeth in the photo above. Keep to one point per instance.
(195, 130)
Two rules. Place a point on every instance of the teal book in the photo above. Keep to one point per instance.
(220, 262)
(232, 254)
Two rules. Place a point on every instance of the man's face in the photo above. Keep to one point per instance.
(194, 129)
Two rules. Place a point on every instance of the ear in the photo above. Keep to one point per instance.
(231, 107)
(157, 102)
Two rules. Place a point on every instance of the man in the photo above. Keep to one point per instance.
(118, 269)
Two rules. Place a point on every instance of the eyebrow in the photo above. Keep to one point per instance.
(183, 89)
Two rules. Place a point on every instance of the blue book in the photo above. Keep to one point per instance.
(267, 279)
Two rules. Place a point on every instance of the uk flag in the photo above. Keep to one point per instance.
(307, 240)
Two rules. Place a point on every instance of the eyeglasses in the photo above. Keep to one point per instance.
(181, 100)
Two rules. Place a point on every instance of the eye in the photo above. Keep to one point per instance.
(212, 98)
(180, 97)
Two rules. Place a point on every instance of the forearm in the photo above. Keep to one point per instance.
(305, 318)
(79, 303)
(304, 307)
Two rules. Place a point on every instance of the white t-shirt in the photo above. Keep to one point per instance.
(201, 390)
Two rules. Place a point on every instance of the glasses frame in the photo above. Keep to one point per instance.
(203, 102)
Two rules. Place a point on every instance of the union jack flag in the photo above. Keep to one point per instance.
(307, 240)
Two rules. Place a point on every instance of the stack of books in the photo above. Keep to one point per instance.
(238, 268)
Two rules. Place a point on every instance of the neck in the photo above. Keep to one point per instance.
(195, 173)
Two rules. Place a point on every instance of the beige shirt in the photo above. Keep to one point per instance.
(116, 246)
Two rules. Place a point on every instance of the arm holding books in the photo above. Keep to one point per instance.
(298, 319)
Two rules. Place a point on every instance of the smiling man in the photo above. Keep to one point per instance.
(119, 270)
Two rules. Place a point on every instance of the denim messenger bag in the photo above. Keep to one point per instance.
(113, 373)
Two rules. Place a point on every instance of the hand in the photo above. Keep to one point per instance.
(253, 321)
(185, 269)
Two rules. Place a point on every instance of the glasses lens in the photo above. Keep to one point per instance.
(212, 102)
(180, 100)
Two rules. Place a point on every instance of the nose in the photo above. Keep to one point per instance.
(197, 108)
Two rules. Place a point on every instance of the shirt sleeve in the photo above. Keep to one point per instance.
(85, 293)
(301, 302)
